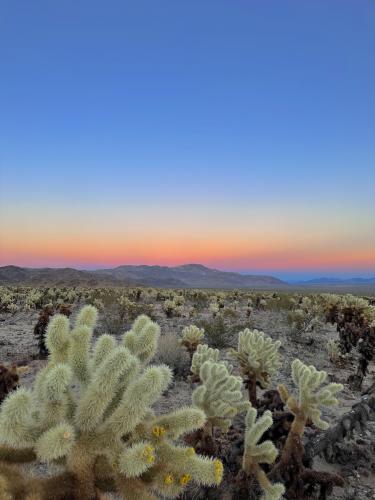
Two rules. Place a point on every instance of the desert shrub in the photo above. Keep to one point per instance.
(135, 294)
(9, 379)
(170, 353)
(229, 313)
(129, 310)
(113, 322)
(217, 333)
(281, 302)
(200, 299)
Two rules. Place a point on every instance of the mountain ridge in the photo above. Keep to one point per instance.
(183, 276)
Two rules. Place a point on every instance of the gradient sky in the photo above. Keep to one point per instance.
(239, 134)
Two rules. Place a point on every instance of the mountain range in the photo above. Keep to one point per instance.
(185, 276)
(338, 281)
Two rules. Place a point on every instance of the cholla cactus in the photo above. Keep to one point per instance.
(306, 318)
(219, 396)
(308, 380)
(333, 351)
(103, 432)
(142, 339)
(7, 300)
(259, 359)
(264, 453)
(192, 336)
(124, 305)
(13, 308)
(262, 304)
(311, 396)
(203, 354)
(33, 299)
(99, 304)
(214, 308)
(171, 308)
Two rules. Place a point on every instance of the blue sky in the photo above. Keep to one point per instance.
(197, 102)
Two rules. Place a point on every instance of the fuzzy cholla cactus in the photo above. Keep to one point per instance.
(219, 396)
(333, 350)
(259, 359)
(142, 339)
(192, 336)
(214, 308)
(203, 354)
(308, 380)
(263, 453)
(307, 406)
(171, 308)
(90, 412)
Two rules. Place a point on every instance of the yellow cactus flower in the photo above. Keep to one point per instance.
(218, 467)
(158, 431)
(185, 479)
(168, 479)
(148, 454)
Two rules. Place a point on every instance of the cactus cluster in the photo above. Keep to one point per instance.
(90, 412)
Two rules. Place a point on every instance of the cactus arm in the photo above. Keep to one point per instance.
(136, 460)
(55, 443)
(58, 338)
(87, 316)
(140, 395)
(78, 353)
(103, 348)
(181, 421)
(102, 389)
(17, 428)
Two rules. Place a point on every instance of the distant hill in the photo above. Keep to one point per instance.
(186, 276)
(189, 276)
(338, 281)
(13, 275)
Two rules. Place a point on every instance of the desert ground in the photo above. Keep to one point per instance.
(356, 454)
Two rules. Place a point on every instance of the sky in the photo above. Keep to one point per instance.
(239, 134)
